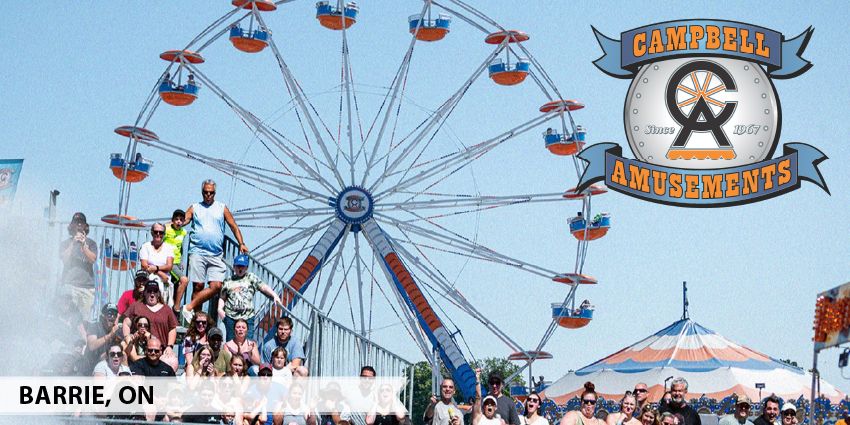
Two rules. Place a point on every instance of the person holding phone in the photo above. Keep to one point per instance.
(78, 254)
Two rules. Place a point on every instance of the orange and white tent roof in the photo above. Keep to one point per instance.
(712, 365)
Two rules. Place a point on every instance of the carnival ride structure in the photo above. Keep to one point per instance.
(366, 195)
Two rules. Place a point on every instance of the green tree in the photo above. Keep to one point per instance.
(503, 366)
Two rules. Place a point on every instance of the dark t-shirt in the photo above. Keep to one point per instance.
(691, 416)
(199, 418)
(761, 421)
(162, 321)
(142, 367)
(92, 357)
(77, 270)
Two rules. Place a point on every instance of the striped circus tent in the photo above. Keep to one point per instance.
(713, 366)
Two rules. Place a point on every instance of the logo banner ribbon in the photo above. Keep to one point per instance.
(703, 37)
(702, 188)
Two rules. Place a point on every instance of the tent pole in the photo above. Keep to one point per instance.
(814, 388)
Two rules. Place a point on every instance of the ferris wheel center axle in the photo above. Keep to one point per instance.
(354, 205)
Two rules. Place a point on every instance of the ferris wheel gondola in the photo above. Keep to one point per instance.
(377, 191)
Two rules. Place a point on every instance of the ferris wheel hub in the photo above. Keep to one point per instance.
(354, 205)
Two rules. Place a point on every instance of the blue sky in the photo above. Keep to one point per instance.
(75, 71)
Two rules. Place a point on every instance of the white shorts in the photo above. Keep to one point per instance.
(206, 268)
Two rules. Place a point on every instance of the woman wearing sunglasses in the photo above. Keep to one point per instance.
(626, 413)
(196, 335)
(585, 414)
(157, 258)
(532, 414)
(134, 343)
(113, 364)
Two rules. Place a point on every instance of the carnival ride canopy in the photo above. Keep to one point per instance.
(713, 366)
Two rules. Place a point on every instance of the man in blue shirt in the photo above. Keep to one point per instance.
(206, 247)
(283, 338)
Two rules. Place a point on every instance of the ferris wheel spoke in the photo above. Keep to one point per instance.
(438, 117)
(466, 201)
(277, 214)
(332, 272)
(460, 158)
(300, 99)
(463, 17)
(454, 240)
(400, 277)
(256, 125)
(398, 82)
(283, 244)
(240, 172)
(360, 284)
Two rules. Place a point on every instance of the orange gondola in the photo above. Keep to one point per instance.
(188, 55)
(561, 105)
(513, 36)
(136, 133)
(262, 5)
(122, 220)
(593, 190)
(575, 278)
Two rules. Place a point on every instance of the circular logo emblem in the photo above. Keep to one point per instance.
(354, 205)
(702, 113)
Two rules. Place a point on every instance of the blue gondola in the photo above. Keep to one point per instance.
(429, 29)
(178, 95)
(250, 41)
(572, 319)
(598, 227)
(508, 74)
(332, 18)
(137, 170)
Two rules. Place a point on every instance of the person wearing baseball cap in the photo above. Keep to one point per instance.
(221, 358)
(78, 254)
(130, 296)
(100, 335)
(742, 413)
(163, 324)
(789, 414)
(236, 300)
(505, 406)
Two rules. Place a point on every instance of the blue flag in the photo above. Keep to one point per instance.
(10, 171)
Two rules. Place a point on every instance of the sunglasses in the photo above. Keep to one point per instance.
(534, 400)
(264, 374)
(208, 192)
(157, 232)
(639, 390)
(114, 354)
(588, 401)
(204, 323)
(789, 413)
(143, 325)
(154, 350)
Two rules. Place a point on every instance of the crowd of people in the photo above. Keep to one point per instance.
(137, 335)
(635, 408)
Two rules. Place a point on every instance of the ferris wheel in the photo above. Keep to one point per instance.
(364, 204)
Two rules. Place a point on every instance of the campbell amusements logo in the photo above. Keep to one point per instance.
(702, 116)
